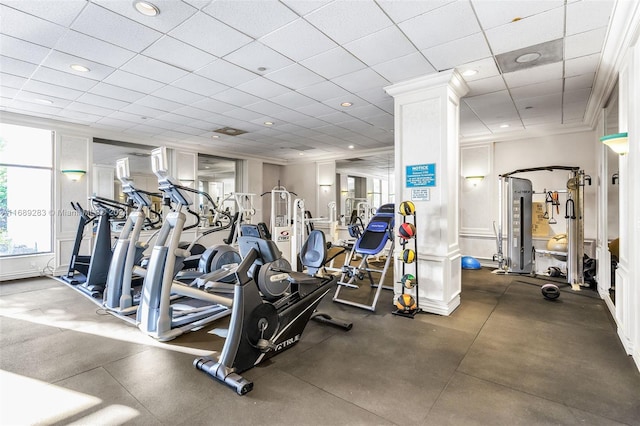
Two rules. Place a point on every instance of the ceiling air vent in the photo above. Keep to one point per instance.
(532, 56)
(230, 131)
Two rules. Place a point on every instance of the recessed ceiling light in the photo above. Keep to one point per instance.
(146, 8)
(215, 136)
(79, 68)
(346, 104)
(351, 147)
(528, 57)
(262, 69)
(302, 153)
(44, 101)
(504, 126)
(469, 73)
(268, 123)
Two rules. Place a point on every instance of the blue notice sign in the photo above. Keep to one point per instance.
(421, 175)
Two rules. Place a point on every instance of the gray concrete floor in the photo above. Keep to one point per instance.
(506, 356)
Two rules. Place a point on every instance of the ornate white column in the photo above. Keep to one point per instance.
(428, 173)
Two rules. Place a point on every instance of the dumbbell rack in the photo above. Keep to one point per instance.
(403, 244)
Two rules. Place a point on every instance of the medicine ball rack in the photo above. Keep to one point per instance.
(413, 287)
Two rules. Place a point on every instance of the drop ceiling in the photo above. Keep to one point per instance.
(204, 65)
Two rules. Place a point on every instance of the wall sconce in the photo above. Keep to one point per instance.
(474, 180)
(618, 142)
(73, 175)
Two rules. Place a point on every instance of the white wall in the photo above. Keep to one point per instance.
(479, 204)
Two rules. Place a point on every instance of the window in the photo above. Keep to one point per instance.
(26, 161)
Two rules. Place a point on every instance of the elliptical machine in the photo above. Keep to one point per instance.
(271, 307)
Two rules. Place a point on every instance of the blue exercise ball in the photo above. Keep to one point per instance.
(469, 262)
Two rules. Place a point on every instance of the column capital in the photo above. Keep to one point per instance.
(450, 78)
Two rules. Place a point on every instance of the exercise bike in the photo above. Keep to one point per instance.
(271, 307)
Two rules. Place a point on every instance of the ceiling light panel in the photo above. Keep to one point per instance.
(309, 41)
(30, 28)
(114, 28)
(345, 21)
(255, 18)
(454, 21)
(531, 56)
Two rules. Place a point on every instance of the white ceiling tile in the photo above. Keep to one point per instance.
(236, 97)
(293, 100)
(16, 67)
(197, 84)
(115, 92)
(29, 28)
(50, 89)
(243, 114)
(345, 21)
(453, 21)
(262, 88)
(36, 98)
(582, 81)
(382, 46)
(324, 90)
(333, 63)
(256, 55)
(95, 50)
(587, 15)
(102, 101)
(361, 80)
(115, 122)
(210, 35)
(177, 95)
(133, 82)
(486, 85)
(460, 51)
(309, 41)
(213, 106)
(581, 65)
(315, 109)
(37, 109)
(172, 13)
(485, 68)
(295, 77)
(374, 95)
(405, 68)
(266, 107)
(142, 111)
(253, 17)
(195, 113)
(493, 107)
(529, 31)
(493, 13)
(226, 73)
(534, 75)
(65, 79)
(90, 109)
(10, 80)
(539, 89)
(78, 116)
(585, 43)
(198, 4)
(159, 71)
(22, 50)
(63, 61)
(401, 10)
(105, 25)
(290, 116)
(159, 103)
(573, 111)
(303, 7)
(179, 54)
(576, 96)
(61, 12)
(540, 103)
